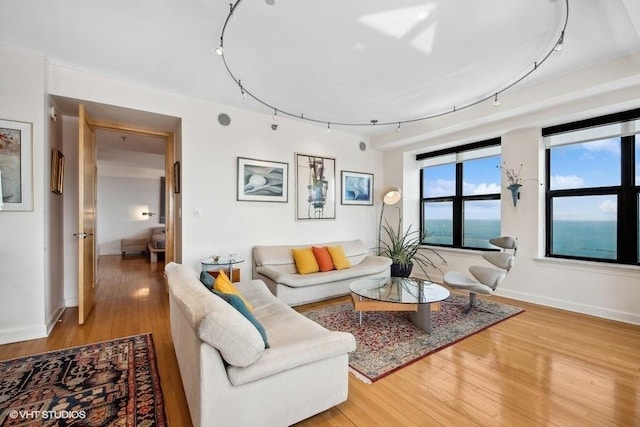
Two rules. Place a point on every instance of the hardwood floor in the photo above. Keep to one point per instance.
(542, 367)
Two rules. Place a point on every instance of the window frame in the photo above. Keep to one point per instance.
(458, 198)
(627, 193)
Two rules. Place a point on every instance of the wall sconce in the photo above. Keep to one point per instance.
(149, 213)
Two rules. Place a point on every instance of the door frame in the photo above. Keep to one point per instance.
(169, 188)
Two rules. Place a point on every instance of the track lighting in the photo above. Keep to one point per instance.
(242, 92)
(516, 80)
(558, 47)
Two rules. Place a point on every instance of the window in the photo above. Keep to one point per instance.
(593, 195)
(460, 195)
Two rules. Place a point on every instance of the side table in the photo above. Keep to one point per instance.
(214, 267)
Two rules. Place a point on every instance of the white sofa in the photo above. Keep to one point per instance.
(276, 267)
(230, 379)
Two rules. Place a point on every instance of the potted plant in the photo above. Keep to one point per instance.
(404, 249)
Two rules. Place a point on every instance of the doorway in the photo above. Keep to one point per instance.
(136, 132)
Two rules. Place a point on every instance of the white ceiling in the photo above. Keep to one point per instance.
(336, 61)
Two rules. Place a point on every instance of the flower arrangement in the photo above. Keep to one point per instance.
(512, 176)
(515, 181)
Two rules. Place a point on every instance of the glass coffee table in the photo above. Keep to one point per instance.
(398, 294)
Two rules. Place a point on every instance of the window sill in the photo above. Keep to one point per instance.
(458, 251)
(596, 267)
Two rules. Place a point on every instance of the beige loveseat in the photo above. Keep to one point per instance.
(230, 378)
(276, 267)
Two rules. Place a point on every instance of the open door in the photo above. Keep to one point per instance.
(86, 215)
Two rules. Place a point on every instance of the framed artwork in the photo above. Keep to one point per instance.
(315, 187)
(57, 171)
(357, 188)
(262, 181)
(176, 177)
(16, 175)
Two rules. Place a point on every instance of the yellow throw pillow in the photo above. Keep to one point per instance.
(224, 285)
(305, 261)
(338, 257)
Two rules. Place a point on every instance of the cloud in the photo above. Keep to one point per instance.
(608, 207)
(439, 188)
(559, 182)
(481, 188)
(607, 145)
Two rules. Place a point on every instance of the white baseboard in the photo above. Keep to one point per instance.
(590, 310)
(24, 333)
(53, 319)
(71, 302)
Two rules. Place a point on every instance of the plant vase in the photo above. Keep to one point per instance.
(515, 193)
(401, 270)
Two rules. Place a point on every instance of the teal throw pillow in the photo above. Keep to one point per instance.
(207, 280)
(236, 302)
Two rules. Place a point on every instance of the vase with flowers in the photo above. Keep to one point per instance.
(515, 181)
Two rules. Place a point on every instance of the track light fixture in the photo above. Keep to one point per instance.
(220, 49)
(558, 47)
(493, 94)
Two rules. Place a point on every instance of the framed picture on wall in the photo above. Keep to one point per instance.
(176, 177)
(315, 187)
(16, 175)
(57, 171)
(262, 180)
(357, 188)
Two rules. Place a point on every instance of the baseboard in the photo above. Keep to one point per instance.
(71, 302)
(26, 333)
(53, 319)
(590, 310)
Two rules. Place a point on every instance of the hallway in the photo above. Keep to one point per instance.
(130, 299)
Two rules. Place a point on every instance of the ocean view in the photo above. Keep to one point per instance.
(594, 239)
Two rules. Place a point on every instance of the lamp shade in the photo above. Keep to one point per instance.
(391, 195)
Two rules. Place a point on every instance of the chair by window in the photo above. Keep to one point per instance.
(485, 279)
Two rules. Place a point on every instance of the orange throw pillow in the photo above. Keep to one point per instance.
(323, 258)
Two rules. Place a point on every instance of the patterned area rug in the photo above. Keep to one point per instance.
(388, 341)
(111, 383)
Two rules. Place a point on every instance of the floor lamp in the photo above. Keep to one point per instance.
(390, 196)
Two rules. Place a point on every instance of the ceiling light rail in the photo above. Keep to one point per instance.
(493, 95)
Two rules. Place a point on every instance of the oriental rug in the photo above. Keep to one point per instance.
(388, 341)
(111, 383)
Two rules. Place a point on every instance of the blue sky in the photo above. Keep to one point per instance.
(590, 164)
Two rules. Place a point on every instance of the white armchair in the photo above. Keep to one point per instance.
(487, 279)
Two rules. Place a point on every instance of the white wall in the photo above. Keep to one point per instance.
(54, 230)
(22, 234)
(121, 201)
(208, 157)
(600, 289)
(71, 202)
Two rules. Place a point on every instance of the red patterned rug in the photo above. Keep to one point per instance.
(388, 341)
(111, 383)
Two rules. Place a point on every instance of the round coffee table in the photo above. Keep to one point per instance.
(398, 294)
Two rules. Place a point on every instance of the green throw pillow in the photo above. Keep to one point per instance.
(206, 279)
(236, 302)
